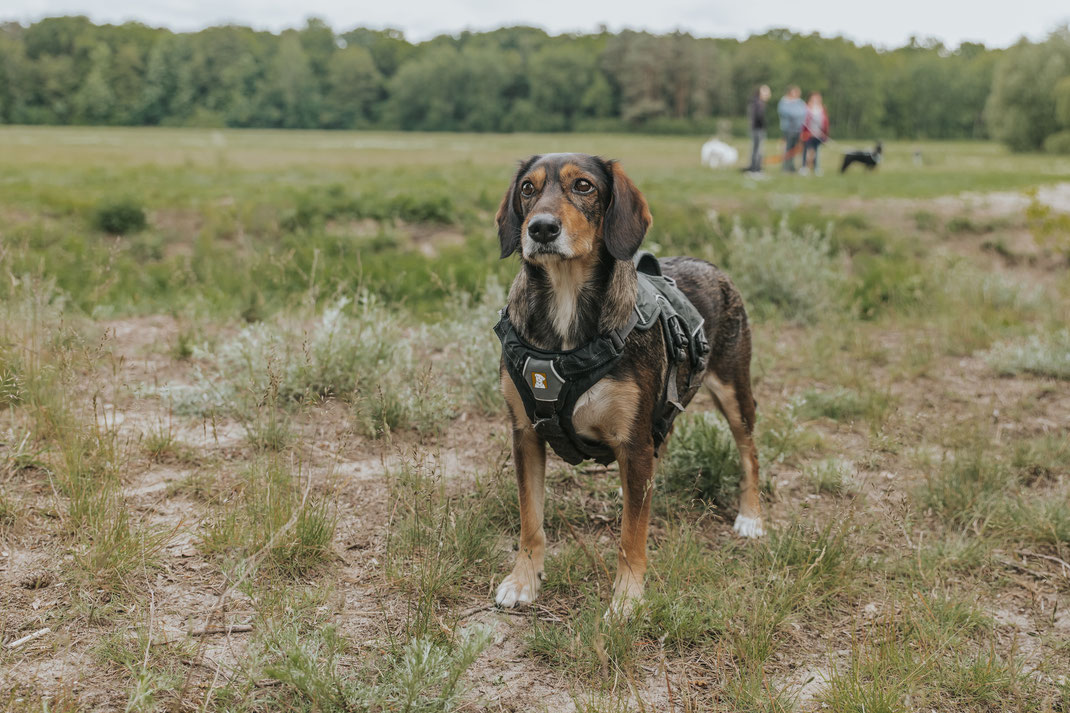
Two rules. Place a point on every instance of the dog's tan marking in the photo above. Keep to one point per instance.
(567, 278)
(537, 176)
(606, 411)
(749, 521)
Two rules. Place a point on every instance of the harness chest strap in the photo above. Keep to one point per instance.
(550, 383)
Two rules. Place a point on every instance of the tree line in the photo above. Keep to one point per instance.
(68, 70)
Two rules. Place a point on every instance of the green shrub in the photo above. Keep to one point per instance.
(842, 404)
(119, 216)
(789, 272)
(887, 283)
(1041, 354)
(926, 220)
(965, 486)
(702, 461)
(1059, 142)
(397, 377)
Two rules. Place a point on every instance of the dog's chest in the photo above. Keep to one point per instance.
(606, 411)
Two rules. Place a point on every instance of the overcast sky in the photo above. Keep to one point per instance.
(888, 23)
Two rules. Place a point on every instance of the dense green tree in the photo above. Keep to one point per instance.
(94, 102)
(354, 85)
(388, 48)
(1021, 108)
(67, 69)
(289, 96)
(168, 93)
(14, 69)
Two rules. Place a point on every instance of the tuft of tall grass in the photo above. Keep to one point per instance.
(441, 543)
(274, 515)
(309, 665)
(1046, 354)
(934, 654)
(396, 375)
(842, 404)
(781, 435)
(702, 460)
(11, 387)
(965, 486)
(832, 476)
(9, 511)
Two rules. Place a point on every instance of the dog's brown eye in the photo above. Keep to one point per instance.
(582, 186)
(527, 188)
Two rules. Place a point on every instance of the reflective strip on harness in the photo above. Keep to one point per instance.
(542, 378)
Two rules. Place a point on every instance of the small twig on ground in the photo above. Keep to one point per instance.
(232, 629)
(476, 610)
(28, 638)
(1065, 565)
(1022, 568)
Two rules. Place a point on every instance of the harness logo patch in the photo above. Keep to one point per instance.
(538, 380)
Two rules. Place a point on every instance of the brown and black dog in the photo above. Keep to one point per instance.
(577, 221)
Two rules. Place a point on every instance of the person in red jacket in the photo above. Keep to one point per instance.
(814, 133)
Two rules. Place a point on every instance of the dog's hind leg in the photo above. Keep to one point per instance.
(529, 458)
(736, 402)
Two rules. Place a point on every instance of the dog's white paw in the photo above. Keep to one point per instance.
(517, 589)
(622, 606)
(627, 593)
(748, 526)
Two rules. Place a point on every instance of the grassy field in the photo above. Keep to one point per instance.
(253, 458)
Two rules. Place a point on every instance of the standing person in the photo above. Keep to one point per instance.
(792, 111)
(756, 117)
(815, 131)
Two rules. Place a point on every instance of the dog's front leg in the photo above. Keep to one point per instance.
(637, 480)
(529, 456)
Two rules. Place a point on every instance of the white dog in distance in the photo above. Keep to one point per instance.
(716, 153)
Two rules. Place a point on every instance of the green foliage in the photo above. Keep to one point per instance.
(11, 389)
(841, 404)
(1046, 354)
(442, 542)
(1050, 228)
(271, 516)
(68, 70)
(888, 283)
(1058, 143)
(702, 461)
(963, 487)
(782, 271)
(832, 476)
(1021, 110)
(121, 216)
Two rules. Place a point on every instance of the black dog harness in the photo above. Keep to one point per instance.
(551, 382)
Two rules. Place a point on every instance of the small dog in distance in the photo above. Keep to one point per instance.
(869, 159)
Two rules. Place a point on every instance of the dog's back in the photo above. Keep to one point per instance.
(721, 306)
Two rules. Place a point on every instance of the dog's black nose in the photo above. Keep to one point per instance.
(544, 228)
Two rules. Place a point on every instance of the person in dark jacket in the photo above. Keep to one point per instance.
(756, 117)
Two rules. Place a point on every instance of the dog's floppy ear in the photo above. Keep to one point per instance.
(627, 217)
(509, 218)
